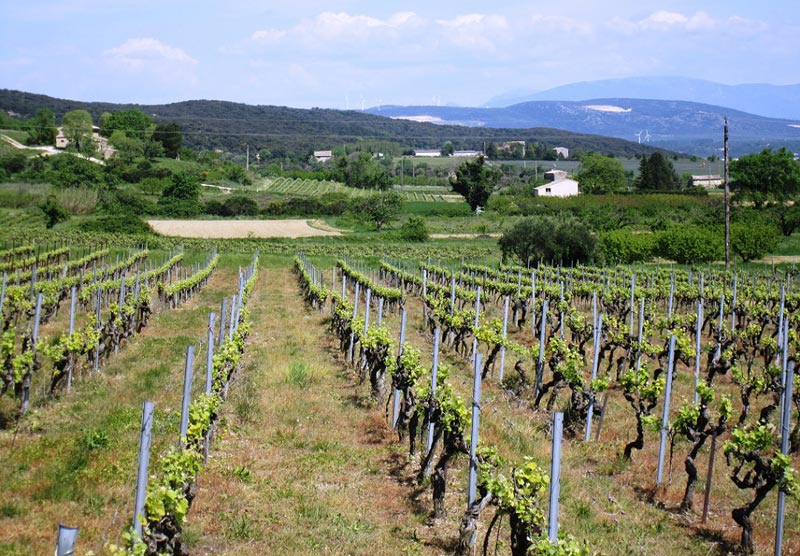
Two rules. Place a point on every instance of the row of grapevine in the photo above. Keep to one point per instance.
(429, 413)
(753, 349)
(163, 496)
(81, 347)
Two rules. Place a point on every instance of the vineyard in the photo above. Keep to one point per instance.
(674, 364)
(478, 409)
(315, 188)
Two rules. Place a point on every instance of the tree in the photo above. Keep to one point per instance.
(786, 217)
(766, 176)
(128, 149)
(134, 123)
(381, 207)
(362, 172)
(475, 182)
(657, 172)
(448, 149)
(601, 174)
(77, 128)
(171, 138)
(53, 211)
(549, 239)
(182, 196)
(754, 238)
(42, 128)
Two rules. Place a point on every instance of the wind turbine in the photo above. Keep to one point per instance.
(646, 136)
(639, 136)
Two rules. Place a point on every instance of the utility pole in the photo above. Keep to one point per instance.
(727, 201)
(247, 160)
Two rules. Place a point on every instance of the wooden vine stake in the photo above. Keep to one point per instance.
(665, 416)
(475, 325)
(503, 347)
(555, 477)
(476, 421)
(145, 438)
(434, 373)
(222, 313)
(71, 331)
(786, 423)
(352, 330)
(187, 395)
(396, 402)
(595, 361)
(65, 540)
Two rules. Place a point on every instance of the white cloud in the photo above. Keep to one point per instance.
(144, 52)
(329, 27)
(699, 22)
(559, 24)
(478, 31)
(268, 35)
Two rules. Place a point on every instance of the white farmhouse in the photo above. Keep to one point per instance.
(710, 180)
(61, 139)
(323, 156)
(564, 187)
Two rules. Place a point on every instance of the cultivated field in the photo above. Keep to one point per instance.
(240, 228)
(315, 188)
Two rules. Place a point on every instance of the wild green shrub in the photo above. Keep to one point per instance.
(117, 224)
(626, 247)
(691, 244)
(414, 229)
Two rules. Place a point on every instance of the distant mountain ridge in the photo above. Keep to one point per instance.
(682, 126)
(763, 99)
(213, 124)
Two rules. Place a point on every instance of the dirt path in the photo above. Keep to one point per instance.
(304, 466)
(779, 259)
(241, 228)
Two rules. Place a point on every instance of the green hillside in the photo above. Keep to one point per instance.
(212, 124)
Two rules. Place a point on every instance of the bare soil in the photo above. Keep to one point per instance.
(227, 229)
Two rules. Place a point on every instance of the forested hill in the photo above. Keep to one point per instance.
(210, 124)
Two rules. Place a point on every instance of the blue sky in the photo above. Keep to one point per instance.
(339, 54)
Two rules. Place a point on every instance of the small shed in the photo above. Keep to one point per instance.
(563, 187)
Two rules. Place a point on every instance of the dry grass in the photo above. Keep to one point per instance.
(304, 465)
